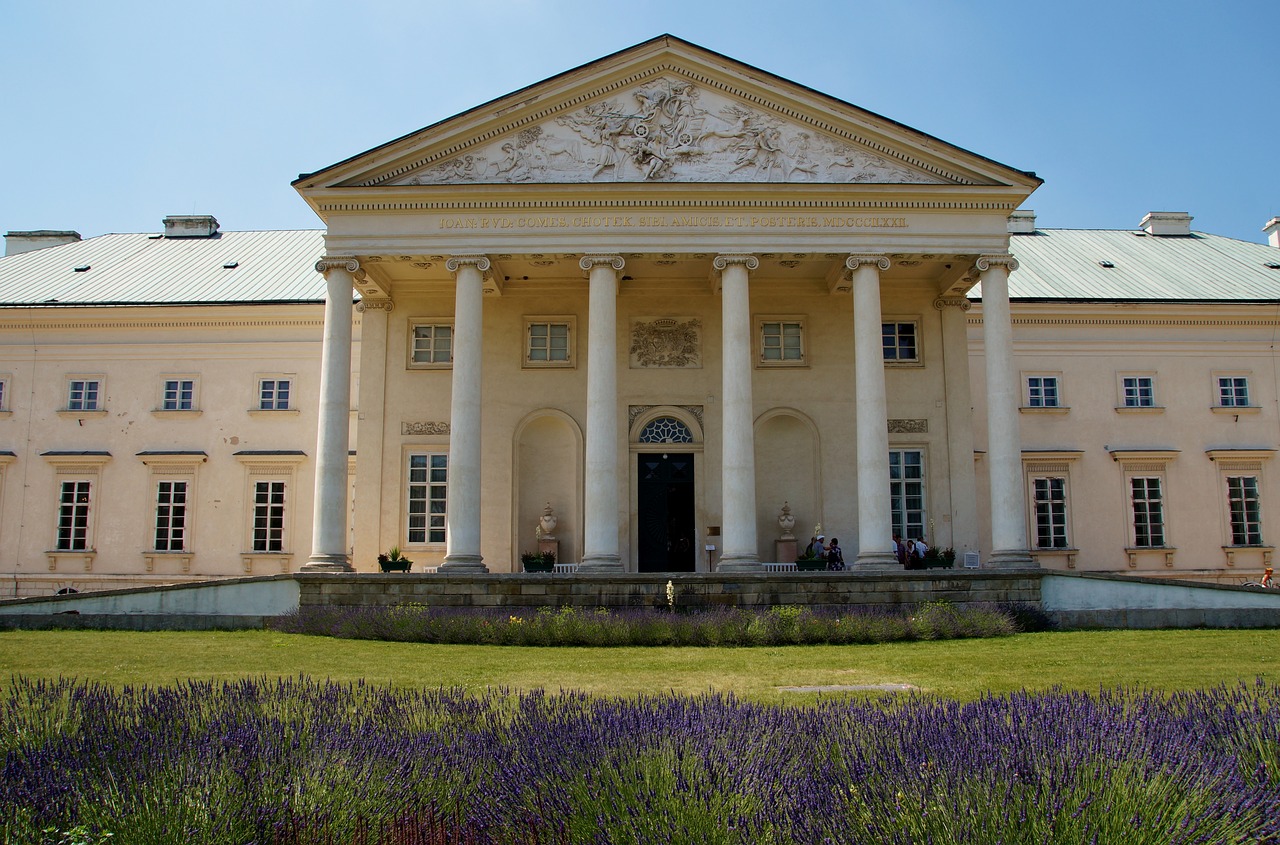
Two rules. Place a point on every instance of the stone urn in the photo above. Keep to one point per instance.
(786, 522)
(547, 523)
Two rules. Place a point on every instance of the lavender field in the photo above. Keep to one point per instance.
(306, 761)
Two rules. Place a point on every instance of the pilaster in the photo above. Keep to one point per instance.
(370, 433)
(959, 421)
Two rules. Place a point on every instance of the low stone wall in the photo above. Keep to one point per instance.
(817, 589)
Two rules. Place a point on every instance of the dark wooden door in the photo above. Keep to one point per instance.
(668, 538)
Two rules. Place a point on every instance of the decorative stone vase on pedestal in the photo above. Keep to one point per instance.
(784, 547)
(547, 542)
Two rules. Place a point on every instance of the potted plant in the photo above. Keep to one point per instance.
(940, 558)
(538, 561)
(393, 561)
(810, 562)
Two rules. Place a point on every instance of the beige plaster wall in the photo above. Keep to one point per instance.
(1184, 347)
(131, 350)
(805, 415)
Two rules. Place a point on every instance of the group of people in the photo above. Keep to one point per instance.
(820, 549)
(910, 553)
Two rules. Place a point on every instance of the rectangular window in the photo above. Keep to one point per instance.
(179, 394)
(1051, 512)
(1246, 518)
(906, 492)
(1233, 391)
(1148, 512)
(171, 516)
(1042, 392)
(432, 344)
(548, 343)
(273, 394)
(268, 516)
(428, 486)
(4, 394)
(780, 341)
(899, 341)
(1139, 392)
(73, 516)
(83, 395)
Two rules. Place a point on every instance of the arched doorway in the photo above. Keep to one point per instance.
(667, 538)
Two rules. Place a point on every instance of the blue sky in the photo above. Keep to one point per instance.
(117, 114)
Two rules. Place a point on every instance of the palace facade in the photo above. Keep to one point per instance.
(663, 312)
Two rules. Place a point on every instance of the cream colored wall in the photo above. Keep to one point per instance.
(810, 410)
(226, 348)
(1184, 347)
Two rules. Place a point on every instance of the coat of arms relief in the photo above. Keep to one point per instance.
(668, 130)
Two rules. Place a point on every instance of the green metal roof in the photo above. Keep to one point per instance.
(1072, 264)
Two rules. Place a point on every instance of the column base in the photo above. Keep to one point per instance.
(876, 562)
(463, 565)
(739, 563)
(600, 565)
(327, 563)
(1011, 559)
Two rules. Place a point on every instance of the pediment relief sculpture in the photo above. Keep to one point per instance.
(669, 130)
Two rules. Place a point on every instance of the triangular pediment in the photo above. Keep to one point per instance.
(665, 111)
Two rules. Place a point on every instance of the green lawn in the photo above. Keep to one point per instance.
(962, 669)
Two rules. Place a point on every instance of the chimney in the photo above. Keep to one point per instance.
(16, 243)
(1167, 223)
(1022, 222)
(190, 226)
(1272, 230)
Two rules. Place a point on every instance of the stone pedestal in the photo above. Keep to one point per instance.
(549, 544)
(784, 551)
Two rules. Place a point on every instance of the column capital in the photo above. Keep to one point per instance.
(587, 262)
(324, 265)
(855, 260)
(480, 262)
(986, 262)
(375, 305)
(722, 261)
(942, 303)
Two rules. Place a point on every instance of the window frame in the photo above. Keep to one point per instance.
(1224, 404)
(269, 466)
(411, 344)
(1059, 405)
(1249, 526)
(1148, 512)
(762, 346)
(76, 467)
(569, 323)
(98, 405)
(1242, 463)
(898, 510)
(1147, 464)
(432, 455)
(172, 399)
(1124, 394)
(918, 340)
(276, 381)
(5, 391)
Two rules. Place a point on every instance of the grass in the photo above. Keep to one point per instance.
(964, 670)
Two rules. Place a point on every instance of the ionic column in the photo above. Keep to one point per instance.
(738, 451)
(959, 408)
(875, 523)
(600, 540)
(374, 314)
(462, 549)
(1004, 445)
(329, 514)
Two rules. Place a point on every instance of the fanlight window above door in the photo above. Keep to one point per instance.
(666, 430)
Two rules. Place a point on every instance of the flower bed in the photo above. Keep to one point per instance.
(302, 761)
(569, 626)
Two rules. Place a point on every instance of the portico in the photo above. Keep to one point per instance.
(664, 253)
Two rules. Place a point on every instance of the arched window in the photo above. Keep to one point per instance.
(666, 430)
